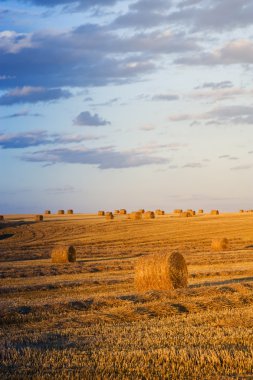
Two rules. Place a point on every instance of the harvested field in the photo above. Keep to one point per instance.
(86, 319)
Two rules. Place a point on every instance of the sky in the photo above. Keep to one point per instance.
(108, 104)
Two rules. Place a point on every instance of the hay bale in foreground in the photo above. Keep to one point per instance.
(47, 212)
(135, 215)
(38, 218)
(163, 271)
(149, 215)
(60, 212)
(1, 217)
(109, 215)
(214, 212)
(219, 244)
(70, 212)
(101, 213)
(63, 254)
(122, 211)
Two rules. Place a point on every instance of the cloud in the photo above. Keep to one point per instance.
(234, 52)
(61, 190)
(147, 128)
(20, 114)
(103, 158)
(89, 55)
(78, 4)
(242, 167)
(193, 165)
(165, 97)
(28, 94)
(215, 85)
(37, 138)
(215, 15)
(87, 119)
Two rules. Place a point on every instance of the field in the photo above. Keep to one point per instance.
(85, 320)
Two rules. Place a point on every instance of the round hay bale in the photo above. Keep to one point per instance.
(241, 211)
(38, 218)
(47, 212)
(178, 211)
(159, 212)
(149, 215)
(1, 217)
(123, 211)
(186, 214)
(63, 254)
(163, 271)
(135, 215)
(60, 212)
(101, 213)
(116, 212)
(141, 210)
(109, 215)
(70, 212)
(192, 212)
(200, 211)
(214, 212)
(219, 244)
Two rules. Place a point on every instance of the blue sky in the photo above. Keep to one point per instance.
(107, 104)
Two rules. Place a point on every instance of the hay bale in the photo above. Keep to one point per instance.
(178, 211)
(47, 212)
(186, 214)
(63, 254)
(135, 215)
(38, 218)
(219, 244)
(116, 212)
(101, 213)
(214, 212)
(241, 211)
(200, 211)
(1, 217)
(192, 212)
(149, 215)
(109, 215)
(70, 212)
(122, 211)
(159, 212)
(142, 211)
(60, 212)
(163, 271)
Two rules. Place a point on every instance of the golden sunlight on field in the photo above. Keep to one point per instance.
(86, 319)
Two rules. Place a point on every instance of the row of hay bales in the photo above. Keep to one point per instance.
(135, 215)
(162, 271)
(40, 217)
(245, 211)
(191, 212)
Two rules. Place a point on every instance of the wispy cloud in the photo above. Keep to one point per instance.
(28, 94)
(103, 158)
(22, 113)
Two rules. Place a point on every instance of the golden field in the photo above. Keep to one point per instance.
(85, 320)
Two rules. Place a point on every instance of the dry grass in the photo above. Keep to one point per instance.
(163, 271)
(219, 244)
(86, 320)
(63, 254)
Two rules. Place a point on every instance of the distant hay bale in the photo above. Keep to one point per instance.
(60, 212)
(178, 211)
(163, 271)
(122, 211)
(149, 215)
(186, 214)
(47, 212)
(101, 213)
(116, 212)
(70, 212)
(63, 254)
(214, 212)
(142, 210)
(136, 215)
(38, 218)
(219, 244)
(200, 211)
(241, 211)
(1, 217)
(159, 212)
(109, 215)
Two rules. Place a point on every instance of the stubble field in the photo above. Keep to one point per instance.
(85, 320)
